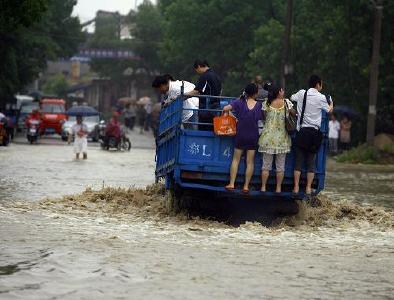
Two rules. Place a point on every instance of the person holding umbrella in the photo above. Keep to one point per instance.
(80, 132)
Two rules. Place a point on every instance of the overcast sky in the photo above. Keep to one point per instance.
(86, 9)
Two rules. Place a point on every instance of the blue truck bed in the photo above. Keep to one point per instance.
(193, 159)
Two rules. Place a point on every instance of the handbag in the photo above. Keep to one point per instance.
(225, 125)
(308, 138)
(290, 120)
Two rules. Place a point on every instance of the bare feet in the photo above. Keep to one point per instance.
(263, 189)
(296, 190)
(278, 190)
(229, 187)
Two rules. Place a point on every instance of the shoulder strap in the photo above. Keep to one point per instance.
(303, 108)
(328, 99)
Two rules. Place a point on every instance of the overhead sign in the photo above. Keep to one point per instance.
(107, 53)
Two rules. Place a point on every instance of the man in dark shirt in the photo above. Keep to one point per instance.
(208, 84)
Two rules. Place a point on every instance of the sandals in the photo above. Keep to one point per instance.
(229, 188)
(245, 191)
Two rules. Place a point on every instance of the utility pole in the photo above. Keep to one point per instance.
(374, 73)
(285, 67)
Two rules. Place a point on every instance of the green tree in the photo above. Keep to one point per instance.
(57, 85)
(146, 30)
(32, 32)
(220, 31)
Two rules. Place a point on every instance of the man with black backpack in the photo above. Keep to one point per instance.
(310, 105)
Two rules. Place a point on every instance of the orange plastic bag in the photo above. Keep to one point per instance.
(225, 125)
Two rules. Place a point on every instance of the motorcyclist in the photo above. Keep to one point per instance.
(113, 128)
(34, 115)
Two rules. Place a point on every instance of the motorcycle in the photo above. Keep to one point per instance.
(33, 131)
(4, 136)
(110, 142)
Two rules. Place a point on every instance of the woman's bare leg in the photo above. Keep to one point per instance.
(249, 167)
(234, 167)
(279, 180)
(265, 173)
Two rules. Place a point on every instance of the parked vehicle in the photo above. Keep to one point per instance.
(4, 135)
(111, 142)
(33, 130)
(92, 122)
(53, 116)
(194, 162)
(25, 109)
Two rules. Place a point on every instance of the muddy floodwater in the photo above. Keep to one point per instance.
(121, 243)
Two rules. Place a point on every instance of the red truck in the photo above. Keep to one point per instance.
(53, 113)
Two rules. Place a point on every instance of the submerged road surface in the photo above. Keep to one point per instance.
(61, 252)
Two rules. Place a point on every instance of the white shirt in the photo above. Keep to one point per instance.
(174, 91)
(334, 128)
(2, 116)
(78, 127)
(315, 103)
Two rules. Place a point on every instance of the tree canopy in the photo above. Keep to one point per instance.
(32, 32)
(242, 39)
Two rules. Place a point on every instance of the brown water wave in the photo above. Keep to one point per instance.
(150, 203)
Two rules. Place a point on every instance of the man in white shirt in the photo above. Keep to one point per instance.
(333, 134)
(308, 126)
(166, 85)
(80, 132)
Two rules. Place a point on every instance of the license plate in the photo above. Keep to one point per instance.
(49, 130)
(33, 130)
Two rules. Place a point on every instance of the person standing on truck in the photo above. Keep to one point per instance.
(172, 89)
(310, 104)
(248, 113)
(80, 132)
(208, 84)
(274, 139)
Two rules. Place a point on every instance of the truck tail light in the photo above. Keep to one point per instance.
(191, 175)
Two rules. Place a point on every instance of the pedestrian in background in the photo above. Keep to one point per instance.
(263, 93)
(333, 134)
(148, 115)
(345, 136)
(141, 115)
(80, 133)
(129, 115)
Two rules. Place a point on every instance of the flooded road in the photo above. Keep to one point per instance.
(83, 248)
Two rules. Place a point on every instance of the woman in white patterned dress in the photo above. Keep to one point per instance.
(274, 140)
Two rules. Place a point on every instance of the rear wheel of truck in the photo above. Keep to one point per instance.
(173, 199)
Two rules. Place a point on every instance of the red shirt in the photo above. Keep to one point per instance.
(113, 129)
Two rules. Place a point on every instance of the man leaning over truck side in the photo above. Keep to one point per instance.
(172, 89)
(208, 84)
(310, 104)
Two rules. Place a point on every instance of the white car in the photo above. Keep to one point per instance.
(91, 122)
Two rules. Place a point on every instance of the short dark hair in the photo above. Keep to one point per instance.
(313, 81)
(160, 80)
(250, 90)
(169, 77)
(200, 63)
